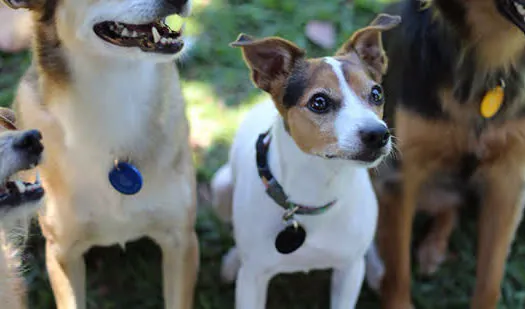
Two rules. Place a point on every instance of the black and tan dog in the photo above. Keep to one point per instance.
(456, 89)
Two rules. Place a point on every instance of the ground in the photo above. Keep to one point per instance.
(218, 90)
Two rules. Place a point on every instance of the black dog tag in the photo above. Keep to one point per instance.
(290, 239)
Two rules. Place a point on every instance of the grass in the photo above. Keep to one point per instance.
(218, 90)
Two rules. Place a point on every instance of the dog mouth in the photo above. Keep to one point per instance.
(154, 37)
(513, 10)
(364, 157)
(15, 193)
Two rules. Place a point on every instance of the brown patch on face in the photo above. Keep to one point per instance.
(297, 85)
(315, 133)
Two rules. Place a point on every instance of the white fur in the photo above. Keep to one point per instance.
(337, 239)
(353, 116)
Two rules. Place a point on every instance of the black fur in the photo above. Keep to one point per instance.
(296, 84)
(427, 54)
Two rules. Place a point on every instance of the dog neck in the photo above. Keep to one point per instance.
(305, 178)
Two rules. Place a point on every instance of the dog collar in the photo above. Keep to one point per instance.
(275, 190)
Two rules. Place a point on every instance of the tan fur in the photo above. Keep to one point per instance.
(272, 60)
(82, 209)
(431, 148)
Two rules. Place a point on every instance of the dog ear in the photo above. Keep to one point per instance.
(368, 45)
(20, 4)
(269, 59)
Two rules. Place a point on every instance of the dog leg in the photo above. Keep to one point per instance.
(67, 273)
(500, 215)
(180, 263)
(251, 287)
(375, 269)
(346, 285)
(433, 250)
(231, 263)
(394, 239)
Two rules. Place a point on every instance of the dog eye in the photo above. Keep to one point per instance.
(319, 104)
(376, 95)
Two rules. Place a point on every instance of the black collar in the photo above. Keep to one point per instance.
(274, 189)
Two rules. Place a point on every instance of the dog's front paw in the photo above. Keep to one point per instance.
(231, 264)
(431, 254)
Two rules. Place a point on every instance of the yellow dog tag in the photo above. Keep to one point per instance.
(492, 102)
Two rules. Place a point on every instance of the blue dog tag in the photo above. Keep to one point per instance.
(125, 178)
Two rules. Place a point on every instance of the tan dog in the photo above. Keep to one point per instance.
(105, 92)
(19, 150)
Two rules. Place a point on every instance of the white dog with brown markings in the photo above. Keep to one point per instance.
(104, 90)
(297, 176)
(19, 151)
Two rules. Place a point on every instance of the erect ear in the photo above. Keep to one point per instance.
(368, 45)
(21, 4)
(269, 59)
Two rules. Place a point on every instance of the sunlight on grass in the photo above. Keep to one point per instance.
(209, 116)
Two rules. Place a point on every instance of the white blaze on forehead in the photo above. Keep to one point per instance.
(354, 114)
(349, 96)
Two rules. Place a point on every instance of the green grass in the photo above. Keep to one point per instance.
(217, 87)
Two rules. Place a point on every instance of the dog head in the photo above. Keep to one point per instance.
(133, 28)
(332, 106)
(19, 151)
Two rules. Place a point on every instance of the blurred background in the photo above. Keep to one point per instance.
(218, 90)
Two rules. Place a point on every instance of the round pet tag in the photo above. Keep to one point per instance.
(125, 178)
(290, 239)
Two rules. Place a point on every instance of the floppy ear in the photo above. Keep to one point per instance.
(20, 4)
(368, 45)
(269, 59)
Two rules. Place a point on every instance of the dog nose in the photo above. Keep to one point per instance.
(375, 137)
(29, 141)
(181, 6)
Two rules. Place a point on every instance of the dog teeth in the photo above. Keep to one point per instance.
(125, 32)
(134, 34)
(519, 8)
(20, 186)
(37, 178)
(164, 41)
(156, 35)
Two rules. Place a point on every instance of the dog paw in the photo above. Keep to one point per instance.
(231, 264)
(431, 255)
